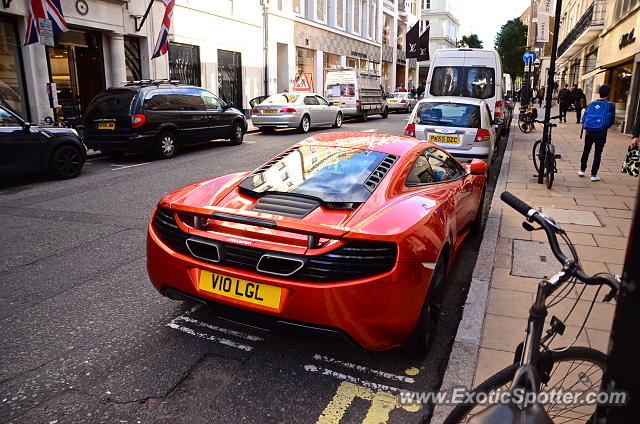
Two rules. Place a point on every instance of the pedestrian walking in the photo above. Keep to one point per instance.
(564, 99)
(579, 101)
(420, 90)
(541, 95)
(597, 119)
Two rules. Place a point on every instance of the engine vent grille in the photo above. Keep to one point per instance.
(381, 170)
(277, 204)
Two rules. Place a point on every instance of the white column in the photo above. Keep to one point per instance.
(407, 83)
(318, 72)
(394, 60)
(118, 64)
(348, 22)
(36, 75)
(416, 75)
(364, 19)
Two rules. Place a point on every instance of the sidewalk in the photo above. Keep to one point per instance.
(597, 218)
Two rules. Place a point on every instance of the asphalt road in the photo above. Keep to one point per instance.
(86, 338)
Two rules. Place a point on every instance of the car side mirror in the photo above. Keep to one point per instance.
(26, 127)
(228, 105)
(478, 167)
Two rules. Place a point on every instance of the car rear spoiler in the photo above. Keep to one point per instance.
(314, 231)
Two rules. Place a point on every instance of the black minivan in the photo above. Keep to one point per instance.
(158, 117)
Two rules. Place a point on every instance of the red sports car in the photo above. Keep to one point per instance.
(349, 234)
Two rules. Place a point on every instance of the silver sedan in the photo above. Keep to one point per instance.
(401, 101)
(295, 110)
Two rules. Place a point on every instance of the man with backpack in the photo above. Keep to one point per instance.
(564, 99)
(596, 121)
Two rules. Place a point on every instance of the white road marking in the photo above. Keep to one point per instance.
(219, 329)
(350, 378)
(116, 167)
(361, 368)
(220, 340)
(369, 130)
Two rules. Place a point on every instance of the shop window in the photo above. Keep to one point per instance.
(12, 92)
(184, 63)
(305, 63)
(132, 58)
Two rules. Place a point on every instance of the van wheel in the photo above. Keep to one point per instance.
(237, 134)
(338, 122)
(305, 124)
(66, 162)
(364, 117)
(166, 146)
(385, 113)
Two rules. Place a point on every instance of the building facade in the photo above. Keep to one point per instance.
(444, 28)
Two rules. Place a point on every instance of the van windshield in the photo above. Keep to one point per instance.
(341, 90)
(465, 81)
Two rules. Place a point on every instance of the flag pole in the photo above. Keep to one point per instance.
(144, 17)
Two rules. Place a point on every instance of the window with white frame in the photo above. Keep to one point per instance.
(372, 20)
(340, 13)
(296, 5)
(426, 4)
(356, 16)
(321, 7)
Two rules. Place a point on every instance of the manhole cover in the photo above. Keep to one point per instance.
(533, 259)
(570, 216)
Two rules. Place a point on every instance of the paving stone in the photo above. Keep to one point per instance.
(533, 259)
(572, 216)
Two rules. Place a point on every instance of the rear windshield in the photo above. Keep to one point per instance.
(396, 95)
(332, 174)
(112, 101)
(448, 115)
(281, 99)
(466, 81)
(341, 90)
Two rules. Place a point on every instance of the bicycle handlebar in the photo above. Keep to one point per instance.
(552, 229)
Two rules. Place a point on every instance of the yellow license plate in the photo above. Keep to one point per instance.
(107, 126)
(337, 104)
(393, 101)
(237, 288)
(444, 139)
(269, 111)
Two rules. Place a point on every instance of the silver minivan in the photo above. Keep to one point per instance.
(463, 126)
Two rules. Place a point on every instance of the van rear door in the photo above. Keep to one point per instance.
(109, 113)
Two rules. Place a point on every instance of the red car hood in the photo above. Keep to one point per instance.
(380, 218)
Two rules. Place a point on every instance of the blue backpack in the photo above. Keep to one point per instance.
(598, 117)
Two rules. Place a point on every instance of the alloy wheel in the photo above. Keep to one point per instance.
(68, 162)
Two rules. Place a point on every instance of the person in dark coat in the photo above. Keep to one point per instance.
(564, 99)
(541, 95)
(579, 101)
(597, 139)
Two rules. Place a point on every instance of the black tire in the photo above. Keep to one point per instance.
(496, 151)
(550, 167)
(237, 133)
(66, 162)
(535, 154)
(305, 124)
(427, 325)
(477, 224)
(385, 113)
(524, 126)
(364, 117)
(166, 145)
(338, 122)
(547, 361)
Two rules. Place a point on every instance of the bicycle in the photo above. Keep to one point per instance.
(536, 366)
(526, 118)
(547, 157)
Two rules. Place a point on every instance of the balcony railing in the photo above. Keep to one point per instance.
(593, 16)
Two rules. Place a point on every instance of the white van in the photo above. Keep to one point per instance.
(357, 93)
(474, 73)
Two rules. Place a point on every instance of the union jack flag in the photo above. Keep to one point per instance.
(163, 38)
(45, 9)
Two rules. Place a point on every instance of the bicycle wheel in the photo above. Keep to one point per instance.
(536, 154)
(550, 165)
(575, 369)
(524, 126)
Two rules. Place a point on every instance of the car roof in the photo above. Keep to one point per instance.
(150, 86)
(378, 142)
(453, 99)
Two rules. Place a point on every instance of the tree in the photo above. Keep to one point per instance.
(472, 41)
(511, 43)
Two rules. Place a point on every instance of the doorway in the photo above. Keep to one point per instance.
(76, 66)
(230, 77)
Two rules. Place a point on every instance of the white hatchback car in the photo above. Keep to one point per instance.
(463, 126)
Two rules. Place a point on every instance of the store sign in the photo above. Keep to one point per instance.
(627, 39)
(358, 54)
(542, 33)
(46, 32)
(302, 83)
(546, 7)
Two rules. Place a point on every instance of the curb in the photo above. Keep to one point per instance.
(464, 353)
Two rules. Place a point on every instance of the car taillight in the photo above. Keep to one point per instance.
(254, 110)
(410, 130)
(138, 120)
(482, 135)
(496, 114)
(358, 104)
(287, 110)
(403, 101)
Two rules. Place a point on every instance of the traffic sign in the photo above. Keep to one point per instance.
(529, 56)
(302, 83)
